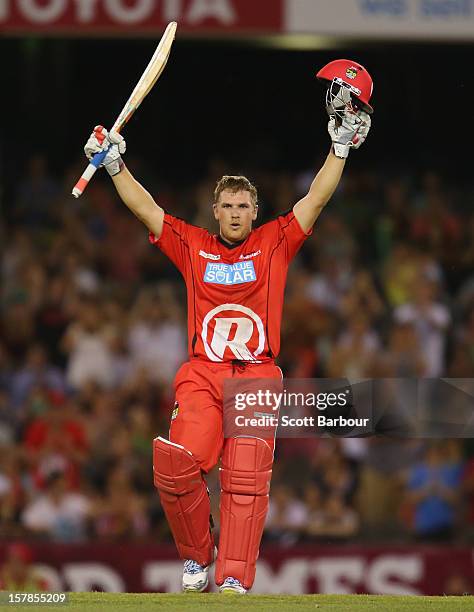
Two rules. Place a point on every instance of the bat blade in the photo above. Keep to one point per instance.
(149, 77)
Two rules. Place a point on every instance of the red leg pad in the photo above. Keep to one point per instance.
(184, 498)
(245, 483)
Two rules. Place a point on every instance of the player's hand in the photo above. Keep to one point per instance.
(349, 132)
(99, 141)
(365, 125)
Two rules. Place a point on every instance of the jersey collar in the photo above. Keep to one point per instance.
(228, 244)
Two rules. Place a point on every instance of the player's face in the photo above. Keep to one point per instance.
(235, 213)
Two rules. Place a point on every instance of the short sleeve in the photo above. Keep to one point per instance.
(174, 240)
(293, 234)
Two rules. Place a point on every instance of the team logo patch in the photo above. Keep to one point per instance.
(351, 72)
(174, 414)
(230, 274)
(234, 328)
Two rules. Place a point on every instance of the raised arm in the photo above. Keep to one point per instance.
(139, 201)
(132, 193)
(351, 133)
(308, 209)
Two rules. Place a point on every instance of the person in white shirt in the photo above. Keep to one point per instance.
(431, 320)
(58, 513)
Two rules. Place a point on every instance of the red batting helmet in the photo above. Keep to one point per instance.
(351, 75)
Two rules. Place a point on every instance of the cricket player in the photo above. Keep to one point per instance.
(235, 281)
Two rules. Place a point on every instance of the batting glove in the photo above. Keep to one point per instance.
(99, 141)
(349, 133)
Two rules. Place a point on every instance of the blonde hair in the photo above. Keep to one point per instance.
(234, 184)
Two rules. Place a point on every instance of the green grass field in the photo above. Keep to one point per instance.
(145, 602)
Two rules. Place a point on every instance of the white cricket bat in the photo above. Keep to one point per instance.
(142, 88)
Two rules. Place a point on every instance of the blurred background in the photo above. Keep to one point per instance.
(92, 317)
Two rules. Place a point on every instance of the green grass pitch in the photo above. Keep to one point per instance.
(148, 602)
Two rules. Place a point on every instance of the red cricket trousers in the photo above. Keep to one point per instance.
(197, 422)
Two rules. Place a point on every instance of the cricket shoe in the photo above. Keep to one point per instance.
(195, 577)
(232, 585)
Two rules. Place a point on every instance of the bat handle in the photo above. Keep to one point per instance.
(88, 173)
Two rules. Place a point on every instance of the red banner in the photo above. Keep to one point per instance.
(139, 16)
(423, 570)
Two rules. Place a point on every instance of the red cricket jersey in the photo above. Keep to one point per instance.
(235, 292)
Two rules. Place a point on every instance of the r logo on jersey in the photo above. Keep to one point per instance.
(230, 274)
(233, 327)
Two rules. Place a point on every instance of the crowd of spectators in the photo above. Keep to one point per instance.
(93, 329)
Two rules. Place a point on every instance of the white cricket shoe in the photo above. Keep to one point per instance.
(195, 577)
(232, 585)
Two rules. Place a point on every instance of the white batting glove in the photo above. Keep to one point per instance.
(99, 141)
(366, 123)
(351, 133)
